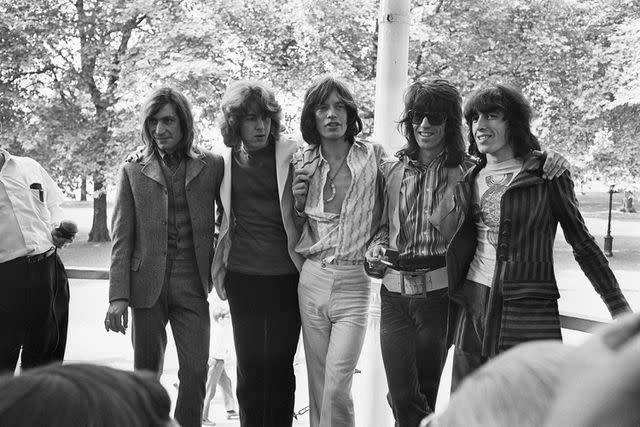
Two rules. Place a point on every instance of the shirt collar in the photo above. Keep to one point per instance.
(7, 157)
(437, 161)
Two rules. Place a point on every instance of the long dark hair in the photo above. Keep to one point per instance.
(517, 113)
(434, 96)
(156, 101)
(319, 91)
(241, 98)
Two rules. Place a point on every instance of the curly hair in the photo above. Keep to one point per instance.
(517, 113)
(319, 91)
(154, 103)
(434, 96)
(241, 98)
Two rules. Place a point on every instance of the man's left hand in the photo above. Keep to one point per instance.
(58, 240)
(555, 165)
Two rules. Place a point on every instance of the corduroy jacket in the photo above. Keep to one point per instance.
(530, 210)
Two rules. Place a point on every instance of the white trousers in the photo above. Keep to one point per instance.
(334, 309)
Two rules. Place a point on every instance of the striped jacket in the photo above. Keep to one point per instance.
(524, 279)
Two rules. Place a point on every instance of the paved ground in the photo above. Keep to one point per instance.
(90, 343)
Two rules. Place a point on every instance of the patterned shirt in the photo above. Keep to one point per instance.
(422, 189)
(341, 238)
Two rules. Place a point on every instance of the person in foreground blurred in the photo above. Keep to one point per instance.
(517, 388)
(83, 395)
(500, 261)
(547, 383)
(255, 265)
(163, 244)
(600, 383)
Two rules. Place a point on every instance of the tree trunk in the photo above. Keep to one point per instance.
(83, 189)
(99, 231)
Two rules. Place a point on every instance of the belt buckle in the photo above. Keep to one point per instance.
(413, 274)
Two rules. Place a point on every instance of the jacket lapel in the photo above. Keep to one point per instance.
(531, 173)
(152, 170)
(225, 185)
(194, 167)
(284, 151)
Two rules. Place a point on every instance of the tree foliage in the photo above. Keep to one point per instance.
(75, 73)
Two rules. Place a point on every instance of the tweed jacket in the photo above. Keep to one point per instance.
(139, 225)
(524, 278)
(284, 151)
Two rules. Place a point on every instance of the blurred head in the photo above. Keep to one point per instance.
(251, 115)
(499, 118)
(517, 388)
(167, 122)
(432, 120)
(329, 112)
(83, 395)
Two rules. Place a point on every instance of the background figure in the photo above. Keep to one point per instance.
(83, 395)
(221, 362)
(517, 388)
(163, 244)
(255, 264)
(500, 261)
(418, 225)
(337, 190)
(34, 290)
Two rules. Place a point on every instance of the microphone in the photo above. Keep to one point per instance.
(67, 229)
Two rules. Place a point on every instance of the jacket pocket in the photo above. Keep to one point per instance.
(135, 264)
(444, 217)
(529, 312)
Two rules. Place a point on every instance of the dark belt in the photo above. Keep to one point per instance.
(31, 259)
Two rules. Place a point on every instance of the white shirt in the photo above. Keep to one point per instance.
(26, 222)
(491, 183)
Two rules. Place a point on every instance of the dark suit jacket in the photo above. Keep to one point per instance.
(531, 209)
(139, 225)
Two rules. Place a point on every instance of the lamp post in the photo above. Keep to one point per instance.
(608, 239)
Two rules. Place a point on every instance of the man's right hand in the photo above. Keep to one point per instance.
(299, 187)
(117, 319)
(373, 256)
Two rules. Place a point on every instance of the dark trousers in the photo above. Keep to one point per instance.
(476, 333)
(183, 304)
(413, 340)
(266, 329)
(34, 312)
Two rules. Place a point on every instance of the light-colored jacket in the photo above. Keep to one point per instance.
(284, 151)
(140, 222)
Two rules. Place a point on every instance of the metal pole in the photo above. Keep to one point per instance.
(608, 240)
(391, 71)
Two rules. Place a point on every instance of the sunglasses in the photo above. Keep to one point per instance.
(434, 119)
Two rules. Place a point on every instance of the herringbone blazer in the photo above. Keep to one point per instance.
(139, 225)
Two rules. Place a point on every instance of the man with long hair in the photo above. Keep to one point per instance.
(500, 260)
(335, 189)
(255, 265)
(420, 221)
(163, 244)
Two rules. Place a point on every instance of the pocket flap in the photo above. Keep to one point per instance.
(519, 290)
(135, 264)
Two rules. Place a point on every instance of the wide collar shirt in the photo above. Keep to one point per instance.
(28, 215)
(340, 238)
(422, 188)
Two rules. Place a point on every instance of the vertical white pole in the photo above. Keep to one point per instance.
(391, 75)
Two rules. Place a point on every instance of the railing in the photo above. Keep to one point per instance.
(573, 321)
